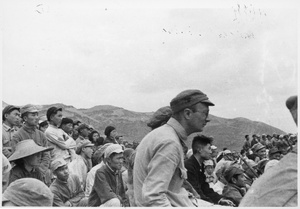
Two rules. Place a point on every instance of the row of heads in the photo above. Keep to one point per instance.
(183, 100)
(264, 136)
(28, 147)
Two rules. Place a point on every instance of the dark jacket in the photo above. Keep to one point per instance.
(197, 178)
(107, 185)
(233, 193)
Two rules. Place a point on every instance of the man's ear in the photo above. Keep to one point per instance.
(187, 113)
(234, 180)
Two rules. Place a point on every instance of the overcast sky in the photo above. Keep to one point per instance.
(242, 54)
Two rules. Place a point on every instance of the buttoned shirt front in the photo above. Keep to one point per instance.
(7, 134)
(67, 191)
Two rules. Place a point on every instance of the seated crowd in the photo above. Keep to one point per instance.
(56, 161)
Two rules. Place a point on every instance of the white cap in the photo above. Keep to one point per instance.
(114, 148)
(213, 147)
(226, 151)
(208, 162)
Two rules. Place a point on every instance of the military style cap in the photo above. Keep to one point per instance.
(256, 147)
(8, 109)
(231, 171)
(82, 144)
(114, 148)
(162, 115)
(189, 98)
(82, 126)
(28, 108)
(57, 163)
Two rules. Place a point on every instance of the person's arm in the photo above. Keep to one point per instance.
(14, 141)
(46, 157)
(56, 140)
(161, 169)
(75, 200)
(57, 201)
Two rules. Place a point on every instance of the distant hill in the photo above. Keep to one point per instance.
(133, 125)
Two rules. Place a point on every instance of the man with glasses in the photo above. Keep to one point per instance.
(159, 172)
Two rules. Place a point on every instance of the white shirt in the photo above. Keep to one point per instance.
(91, 178)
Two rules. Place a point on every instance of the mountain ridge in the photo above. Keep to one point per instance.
(133, 125)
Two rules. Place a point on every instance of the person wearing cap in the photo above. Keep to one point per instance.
(211, 177)
(278, 186)
(27, 192)
(83, 131)
(83, 163)
(29, 114)
(6, 167)
(108, 189)
(259, 152)
(201, 146)
(98, 157)
(27, 158)
(248, 173)
(57, 137)
(67, 126)
(10, 119)
(160, 117)
(43, 124)
(111, 134)
(236, 187)
(274, 157)
(214, 154)
(160, 154)
(226, 160)
(66, 187)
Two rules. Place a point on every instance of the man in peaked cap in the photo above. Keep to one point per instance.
(108, 189)
(159, 157)
(99, 158)
(235, 189)
(83, 163)
(10, 119)
(29, 114)
(66, 187)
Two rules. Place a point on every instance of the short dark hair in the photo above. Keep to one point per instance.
(200, 140)
(246, 135)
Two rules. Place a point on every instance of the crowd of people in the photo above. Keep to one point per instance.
(53, 160)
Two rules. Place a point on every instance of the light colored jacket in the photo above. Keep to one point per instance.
(159, 170)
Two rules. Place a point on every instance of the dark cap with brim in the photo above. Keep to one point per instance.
(9, 108)
(189, 98)
(231, 171)
(82, 144)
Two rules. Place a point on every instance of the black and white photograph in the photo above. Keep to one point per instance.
(127, 103)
